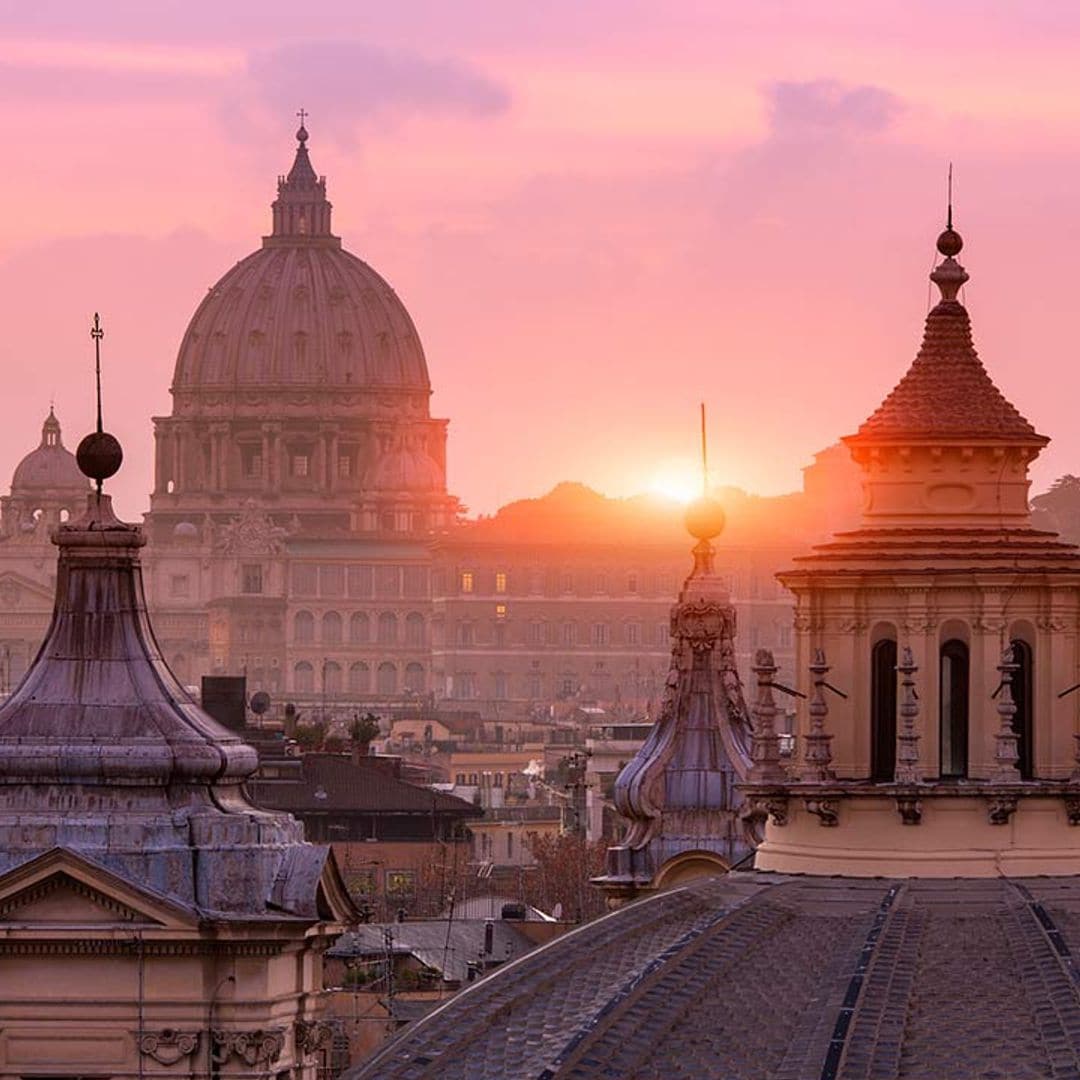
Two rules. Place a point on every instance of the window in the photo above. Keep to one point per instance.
(567, 583)
(414, 629)
(251, 461)
(466, 581)
(331, 581)
(510, 844)
(536, 633)
(331, 628)
(534, 687)
(304, 628)
(387, 581)
(359, 628)
(465, 634)
(465, 684)
(500, 611)
(414, 678)
(474, 779)
(633, 633)
(567, 688)
(631, 583)
(569, 634)
(785, 635)
(386, 678)
(500, 582)
(251, 580)
(179, 585)
(399, 883)
(304, 579)
(301, 465)
(304, 678)
(600, 633)
(359, 678)
(459, 779)
(500, 686)
(1023, 719)
(360, 582)
(601, 583)
(883, 711)
(954, 708)
(415, 581)
(497, 780)
(387, 628)
(331, 677)
(344, 467)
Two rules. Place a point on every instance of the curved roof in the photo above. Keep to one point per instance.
(755, 975)
(51, 467)
(405, 469)
(301, 312)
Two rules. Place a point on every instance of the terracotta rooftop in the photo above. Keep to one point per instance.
(756, 975)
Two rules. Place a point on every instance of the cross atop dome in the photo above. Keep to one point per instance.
(301, 210)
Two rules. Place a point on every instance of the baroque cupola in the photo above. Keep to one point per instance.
(935, 645)
(677, 795)
(301, 209)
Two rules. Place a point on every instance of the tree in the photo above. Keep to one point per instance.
(565, 865)
(364, 728)
(1059, 508)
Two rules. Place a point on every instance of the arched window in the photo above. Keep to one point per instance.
(883, 711)
(359, 678)
(386, 678)
(304, 678)
(414, 628)
(387, 628)
(1024, 720)
(359, 628)
(954, 708)
(414, 678)
(331, 628)
(304, 628)
(331, 677)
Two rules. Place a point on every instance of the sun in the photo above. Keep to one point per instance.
(678, 480)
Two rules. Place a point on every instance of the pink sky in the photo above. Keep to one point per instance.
(599, 212)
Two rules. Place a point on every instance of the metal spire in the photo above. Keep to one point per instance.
(704, 455)
(948, 217)
(97, 334)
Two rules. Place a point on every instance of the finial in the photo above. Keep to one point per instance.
(301, 134)
(949, 276)
(908, 769)
(764, 741)
(99, 455)
(705, 516)
(950, 242)
(1006, 742)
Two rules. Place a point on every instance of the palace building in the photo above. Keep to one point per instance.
(913, 906)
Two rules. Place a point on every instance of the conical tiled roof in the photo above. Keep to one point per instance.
(947, 392)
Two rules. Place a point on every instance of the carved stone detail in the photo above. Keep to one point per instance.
(1006, 743)
(259, 1047)
(826, 810)
(908, 769)
(1072, 809)
(910, 809)
(252, 533)
(817, 754)
(764, 742)
(312, 1035)
(169, 1046)
(772, 807)
(1000, 809)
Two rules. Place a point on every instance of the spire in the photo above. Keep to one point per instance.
(947, 392)
(301, 210)
(50, 430)
(99, 454)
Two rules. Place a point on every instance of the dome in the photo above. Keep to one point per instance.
(49, 468)
(300, 313)
(405, 469)
(754, 975)
(185, 530)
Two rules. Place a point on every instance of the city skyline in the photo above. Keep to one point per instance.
(518, 187)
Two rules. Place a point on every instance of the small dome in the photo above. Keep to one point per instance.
(405, 469)
(185, 530)
(51, 467)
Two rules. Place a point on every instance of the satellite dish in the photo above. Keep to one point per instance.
(260, 702)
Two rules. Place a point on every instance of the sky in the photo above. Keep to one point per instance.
(598, 212)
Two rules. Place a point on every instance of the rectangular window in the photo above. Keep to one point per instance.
(331, 580)
(305, 577)
(465, 634)
(600, 634)
(500, 582)
(569, 634)
(251, 578)
(387, 581)
(415, 581)
(633, 634)
(536, 633)
(360, 582)
(500, 686)
(662, 634)
(301, 465)
(251, 461)
(500, 611)
(180, 585)
(344, 467)
(534, 687)
(631, 583)
(466, 581)
(567, 583)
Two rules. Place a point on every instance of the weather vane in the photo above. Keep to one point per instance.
(99, 455)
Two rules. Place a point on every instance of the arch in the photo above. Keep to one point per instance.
(1023, 693)
(359, 678)
(359, 628)
(953, 695)
(387, 628)
(303, 678)
(304, 628)
(883, 707)
(386, 678)
(331, 628)
(414, 677)
(332, 677)
(414, 628)
(688, 865)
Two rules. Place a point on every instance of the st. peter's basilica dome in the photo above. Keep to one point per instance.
(301, 313)
(50, 467)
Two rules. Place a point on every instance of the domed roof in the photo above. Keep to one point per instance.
(51, 467)
(755, 975)
(405, 469)
(301, 312)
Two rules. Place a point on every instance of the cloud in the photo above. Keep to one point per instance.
(355, 82)
(824, 107)
(66, 84)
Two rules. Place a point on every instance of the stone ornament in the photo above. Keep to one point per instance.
(312, 1035)
(1000, 809)
(1006, 743)
(826, 810)
(817, 755)
(252, 533)
(764, 742)
(259, 1047)
(908, 770)
(169, 1045)
(910, 809)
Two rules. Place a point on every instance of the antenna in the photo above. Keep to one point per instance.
(948, 221)
(97, 334)
(704, 455)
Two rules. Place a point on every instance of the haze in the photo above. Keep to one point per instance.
(597, 213)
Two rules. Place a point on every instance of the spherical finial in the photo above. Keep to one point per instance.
(301, 135)
(949, 243)
(705, 518)
(99, 456)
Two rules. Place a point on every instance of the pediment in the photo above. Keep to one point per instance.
(18, 591)
(60, 888)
